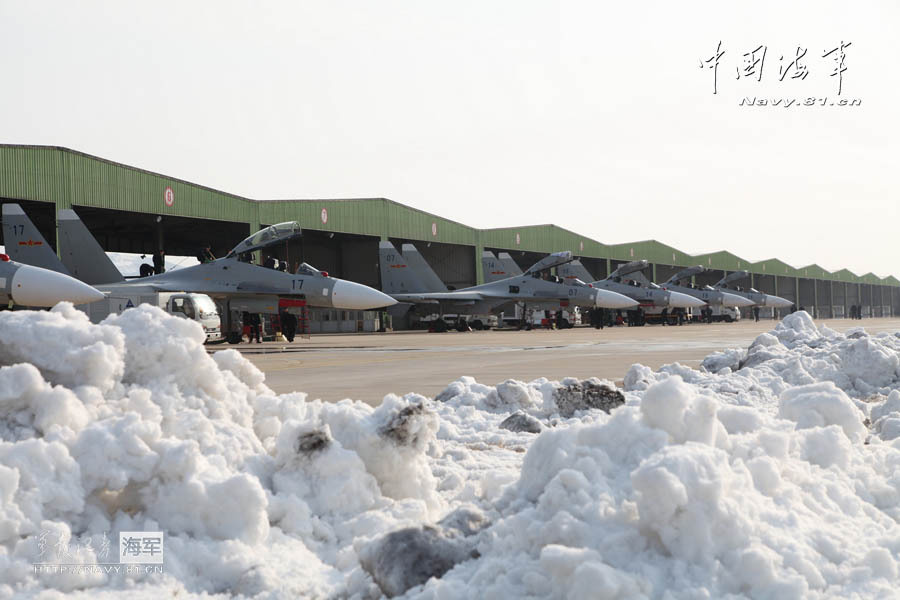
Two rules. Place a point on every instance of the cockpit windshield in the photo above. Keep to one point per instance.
(272, 234)
(307, 269)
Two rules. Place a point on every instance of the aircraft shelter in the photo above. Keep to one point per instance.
(133, 210)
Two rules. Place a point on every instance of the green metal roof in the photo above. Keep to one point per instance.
(723, 260)
(70, 178)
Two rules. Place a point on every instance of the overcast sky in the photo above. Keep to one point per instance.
(594, 116)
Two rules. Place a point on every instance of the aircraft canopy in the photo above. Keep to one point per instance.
(548, 262)
(272, 234)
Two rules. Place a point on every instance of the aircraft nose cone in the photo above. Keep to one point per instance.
(356, 296)
(679, 300)
(611, 299)
(778, 301)
(735, 300)
(32, 286)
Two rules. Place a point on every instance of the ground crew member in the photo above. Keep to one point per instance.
(159, 261)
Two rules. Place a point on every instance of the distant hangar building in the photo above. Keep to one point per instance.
(133, 210)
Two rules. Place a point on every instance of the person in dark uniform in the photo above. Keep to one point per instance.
(756, 313)
(288, 325)
(665, 316)
(159, 262)
(269, 263)
(251, 320)
(205, 255)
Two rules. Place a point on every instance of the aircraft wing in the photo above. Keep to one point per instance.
(435, 297)
(217, 289)
(259, 288)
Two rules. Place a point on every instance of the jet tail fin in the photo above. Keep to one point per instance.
(396, 275)
(25, 244)
(574, 271)
(81, 253)
(492, 268)
(423, 270)
(509, 264)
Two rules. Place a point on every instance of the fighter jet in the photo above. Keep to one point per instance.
(757, 297)
(629, 280)
(236, 285)
(401, 278)
(680, 282)
(25, 285)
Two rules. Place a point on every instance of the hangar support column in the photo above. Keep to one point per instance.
(775, 310)
(815, 299)
(479, 271)
(846, 305)
(831, 298)
(860, 302)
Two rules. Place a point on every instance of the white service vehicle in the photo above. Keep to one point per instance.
(196, 307)
(541, 317)
(476, 322)
(728, 314)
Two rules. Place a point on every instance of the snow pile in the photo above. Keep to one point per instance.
(130, 425)
(771, 472)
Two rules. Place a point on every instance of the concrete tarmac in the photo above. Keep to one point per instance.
(366, 367)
